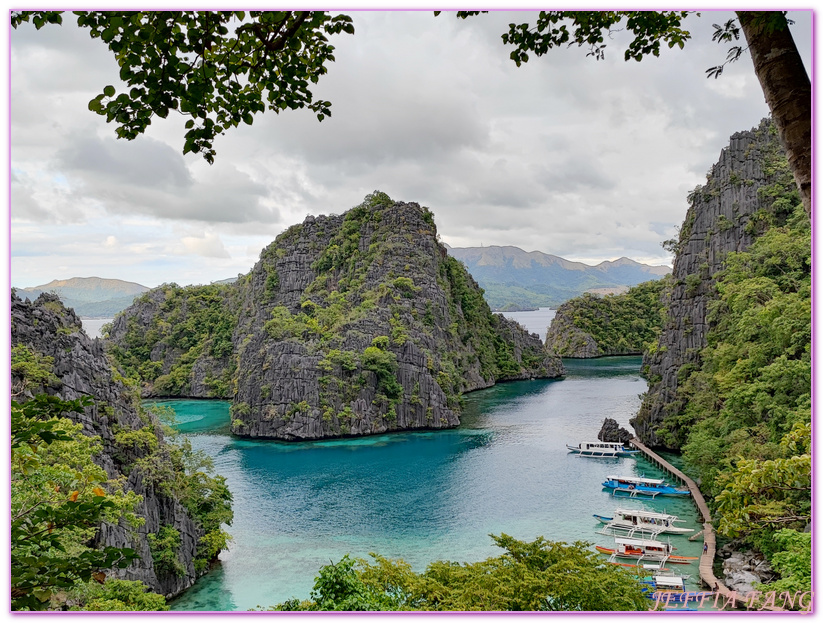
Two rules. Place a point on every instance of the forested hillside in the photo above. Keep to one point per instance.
(730, 376)
(516, 279)
(748, 406)
(89, 296)
(615, 324)
(104, 506)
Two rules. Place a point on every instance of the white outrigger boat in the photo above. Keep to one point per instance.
(629, 522)
(605, 449)
(644, 550)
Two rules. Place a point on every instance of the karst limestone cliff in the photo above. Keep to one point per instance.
(615, 324)
(351, 324)
(723, 216)
(46, 332)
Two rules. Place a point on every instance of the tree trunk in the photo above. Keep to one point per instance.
(787, 89)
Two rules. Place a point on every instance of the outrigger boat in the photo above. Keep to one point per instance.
(602, 449)
(667, 583)
(635, 486)
(644, 550)
(631, 521)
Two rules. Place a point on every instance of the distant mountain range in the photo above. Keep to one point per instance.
(512, 278)
(91, 297)
(517, 279)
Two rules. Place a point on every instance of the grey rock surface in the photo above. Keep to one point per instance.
(611, 431)
(304, 363)
(716, 224)
(46, 327)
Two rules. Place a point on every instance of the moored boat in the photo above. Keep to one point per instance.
(639, 520)
(668, 583)
(644, 550)
(601, 449)
(633, 485)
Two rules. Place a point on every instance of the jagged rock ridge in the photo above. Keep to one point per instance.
(719, 220)
(82, 369)
(351, 324)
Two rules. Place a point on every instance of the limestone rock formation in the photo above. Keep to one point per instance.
(611, 431)
(81, 368)
(719, 220)
(351, 324)
(566, 340)
(616, 324)
(744, 571)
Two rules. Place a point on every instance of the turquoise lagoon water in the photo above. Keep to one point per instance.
(420, 496)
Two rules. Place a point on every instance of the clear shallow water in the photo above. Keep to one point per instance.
(420, 496)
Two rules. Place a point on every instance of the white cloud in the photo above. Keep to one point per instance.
(565, 155)
(209, 245)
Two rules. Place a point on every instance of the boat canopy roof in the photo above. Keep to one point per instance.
(668, 580)
(643, 481)
(636, 512)
(641, 542)
(601, 444)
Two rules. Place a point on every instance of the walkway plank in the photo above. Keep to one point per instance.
(707, 558)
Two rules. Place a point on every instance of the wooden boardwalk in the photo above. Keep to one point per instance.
(707, 557)
(726, 596)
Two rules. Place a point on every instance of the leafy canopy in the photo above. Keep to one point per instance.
(59, 496)
(538, 575)
(591, 28)
(217, 67)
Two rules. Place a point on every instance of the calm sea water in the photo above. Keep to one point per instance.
(537, 321)
(420, 496)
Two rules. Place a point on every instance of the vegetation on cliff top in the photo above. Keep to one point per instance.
(618, 323)
(372, 282)
(190, 322)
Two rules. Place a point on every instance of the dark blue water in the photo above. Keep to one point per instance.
(419, 496)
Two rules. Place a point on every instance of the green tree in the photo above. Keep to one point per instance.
(59, 497)
(777, 63)
(538, 575)
(219, 68)
(117, 596)
(793, 562)
(773, 494)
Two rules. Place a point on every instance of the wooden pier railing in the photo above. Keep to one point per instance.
(707, 558)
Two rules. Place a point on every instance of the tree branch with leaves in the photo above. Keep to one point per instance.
(219, 68)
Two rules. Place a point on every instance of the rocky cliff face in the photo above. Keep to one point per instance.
(350, 324)
(722, 217)
(81, 369)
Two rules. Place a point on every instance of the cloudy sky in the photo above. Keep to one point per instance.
(589, 160)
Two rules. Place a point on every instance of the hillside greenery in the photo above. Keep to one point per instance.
(191, 321)
(619, 323)
(60, 496)
(513, 279)
(743, 414)
(369, 269)
(345, 291)
(540, 575)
